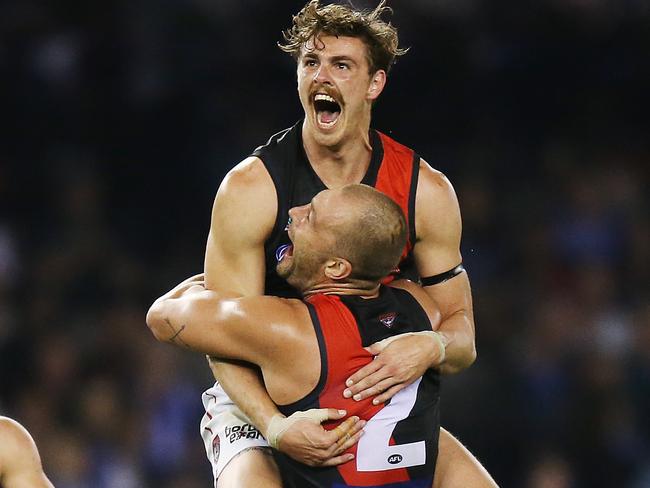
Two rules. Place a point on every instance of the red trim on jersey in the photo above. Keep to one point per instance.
(394, 177)
(345, 356)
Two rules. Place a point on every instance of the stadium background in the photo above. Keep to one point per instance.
(119, 120)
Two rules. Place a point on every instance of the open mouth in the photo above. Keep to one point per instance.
(327, 110)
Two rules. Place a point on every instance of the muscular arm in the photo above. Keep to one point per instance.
(437, 250)
(226, 325)
(274, 333)
(243, 215)
(20, 463)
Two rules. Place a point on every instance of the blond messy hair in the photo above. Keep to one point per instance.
(314, 20)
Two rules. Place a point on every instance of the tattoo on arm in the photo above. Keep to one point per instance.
(176, 339)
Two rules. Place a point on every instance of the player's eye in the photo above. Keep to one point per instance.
(342, 66)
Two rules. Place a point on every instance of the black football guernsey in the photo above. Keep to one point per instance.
(393, 170)
(399, 447)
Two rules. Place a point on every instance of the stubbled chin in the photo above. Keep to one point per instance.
(283, 268)
(328, 136)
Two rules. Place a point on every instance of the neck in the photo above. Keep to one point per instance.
(361, 288)
(342, 163)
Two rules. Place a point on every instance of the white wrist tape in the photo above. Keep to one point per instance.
(279, 424)
(431, 333)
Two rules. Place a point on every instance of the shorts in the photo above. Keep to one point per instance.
(225, 430)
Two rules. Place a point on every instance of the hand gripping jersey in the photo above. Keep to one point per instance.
(393, 170)
(400, 444)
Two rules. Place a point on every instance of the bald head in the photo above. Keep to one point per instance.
(373, 235)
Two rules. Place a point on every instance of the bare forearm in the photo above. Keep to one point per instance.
(244, 386)
(457, 331)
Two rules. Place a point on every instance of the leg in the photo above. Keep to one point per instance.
(457, 467)
(239, 455)
(254, 467)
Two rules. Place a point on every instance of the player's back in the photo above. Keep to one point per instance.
(400, 441)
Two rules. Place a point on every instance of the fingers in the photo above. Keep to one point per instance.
(372, 384)
(333, 414)
(343, 429)
(346, 434)
(388, 394)
(361, 376)
(376, 389)
(312, 445)
(319, 415)
(335, 461)
(349, 433)
(339, 456)
(350, 438)
(357, 427)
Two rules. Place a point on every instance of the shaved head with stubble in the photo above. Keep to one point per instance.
(350, 234)
(374, 236)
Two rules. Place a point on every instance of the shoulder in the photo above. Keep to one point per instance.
(437, 210)
(249, 176)
(14, 432)
(266, 324)
(433, 184)
(16, 441)
(266, 309)
(246, 199)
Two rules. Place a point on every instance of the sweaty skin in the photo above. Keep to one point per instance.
(245, 210)
(20, 463)
(193, 317)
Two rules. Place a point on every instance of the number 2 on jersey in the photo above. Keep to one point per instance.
(373, 450)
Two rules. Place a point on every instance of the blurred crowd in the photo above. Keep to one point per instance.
(119, 120)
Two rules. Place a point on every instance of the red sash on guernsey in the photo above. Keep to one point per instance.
(345, 356)
(395, 176)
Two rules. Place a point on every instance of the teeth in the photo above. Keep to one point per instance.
(321, 96)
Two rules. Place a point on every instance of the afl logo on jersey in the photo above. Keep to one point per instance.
(388, 319)
(394, 459)
(281, 251)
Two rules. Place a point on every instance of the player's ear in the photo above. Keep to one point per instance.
(337, 269)
(377, 83)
